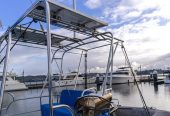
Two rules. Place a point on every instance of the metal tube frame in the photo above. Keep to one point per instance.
(18, 38)
(111, 64)
(133, 74)
(78, 70)
(91, 36)
(22, 99)
(5, 70)
(74, 7)
(107, 70)
(49, 56)
(113, 53)
(85, 69)
(65, 106)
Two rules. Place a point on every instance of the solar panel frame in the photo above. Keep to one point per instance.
(68, 22)
(39, 37)
(67, 17)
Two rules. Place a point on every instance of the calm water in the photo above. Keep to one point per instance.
(157, 97)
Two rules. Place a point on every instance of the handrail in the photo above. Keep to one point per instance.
(13, 98)
(93, 89)
(7, 108)
(12, 95)
(109, 90)
(24, 113)
(65, 106)
(114, 99)
(42, 90)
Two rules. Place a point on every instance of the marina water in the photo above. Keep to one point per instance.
(155, 96)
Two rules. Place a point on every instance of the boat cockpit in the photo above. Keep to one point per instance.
(87, 37)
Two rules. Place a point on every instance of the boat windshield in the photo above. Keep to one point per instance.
(126, 73)
(70, 77)
(1, 78)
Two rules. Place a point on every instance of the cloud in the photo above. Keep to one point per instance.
(161, 62)
(130, 10)
(98, 70)
(92, 4)
(142, 24)
(1, 32)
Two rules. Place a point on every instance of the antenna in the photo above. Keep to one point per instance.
(1, 26)
(74, 4)
(74, 7)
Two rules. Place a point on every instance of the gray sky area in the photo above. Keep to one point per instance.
(143, 25)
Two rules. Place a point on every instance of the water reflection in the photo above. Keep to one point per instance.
(124, 89)
(155, 88)
(167, 87)
(155, 96)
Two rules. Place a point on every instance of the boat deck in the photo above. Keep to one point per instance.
(135, 111)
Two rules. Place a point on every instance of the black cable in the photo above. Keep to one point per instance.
(21, 35)
(140, 93)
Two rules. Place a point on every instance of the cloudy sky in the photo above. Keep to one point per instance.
(143, 25)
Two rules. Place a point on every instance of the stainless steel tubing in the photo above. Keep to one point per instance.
(64, 106)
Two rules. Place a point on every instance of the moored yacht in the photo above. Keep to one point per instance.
(167, 79)
(12, 84)
(72, 79)
(121, 75)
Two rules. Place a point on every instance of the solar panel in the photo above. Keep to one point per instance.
(60, 16)
(39, 37)
(65, 16)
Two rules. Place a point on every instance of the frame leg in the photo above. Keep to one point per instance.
(5, 70)
(49, 57)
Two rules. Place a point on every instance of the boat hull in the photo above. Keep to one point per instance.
(73, 82)
(167, 81)
(14, 86)
(66, 83)
(121, 80)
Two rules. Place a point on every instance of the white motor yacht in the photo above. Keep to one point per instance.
(167, 79)
(72, 79)
(12, 84)
(122, 75)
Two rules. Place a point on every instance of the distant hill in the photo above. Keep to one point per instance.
(147, 72)
(30, 78)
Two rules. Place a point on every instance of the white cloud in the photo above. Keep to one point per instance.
(134, 8)
(98, 70)
(145, 40)
(132, 14)
(1, 32)
(143, 25)
(92, 4)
